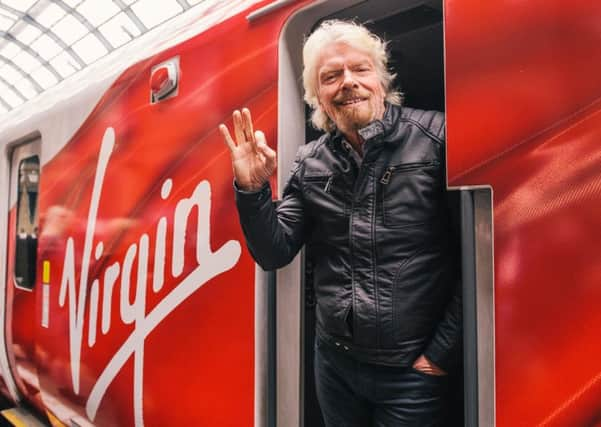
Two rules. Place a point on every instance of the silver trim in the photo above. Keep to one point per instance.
(478, 305)
(4, 366)
(288, 338)
(485, 305)
(265, 10)
(261, 356)
(291, 135)
(19, 149)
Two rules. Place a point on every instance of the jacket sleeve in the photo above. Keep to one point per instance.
(274, 234)
(445, 347)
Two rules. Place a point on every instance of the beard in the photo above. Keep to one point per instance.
(352, 117)
(355, 118)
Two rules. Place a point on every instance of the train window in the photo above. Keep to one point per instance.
(27, 222)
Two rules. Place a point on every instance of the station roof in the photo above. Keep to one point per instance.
(43, 42)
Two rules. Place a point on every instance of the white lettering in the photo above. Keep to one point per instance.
(182, 212)
(99, 250)
(93, 321)
(209, 264)
(110, 277)
(126, 309)
(158, 276)
(76, 308)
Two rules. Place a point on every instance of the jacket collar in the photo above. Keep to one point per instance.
(378, 130)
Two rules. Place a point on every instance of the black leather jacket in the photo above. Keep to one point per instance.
(385, 281)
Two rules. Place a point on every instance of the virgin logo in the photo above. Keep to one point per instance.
(209, 265)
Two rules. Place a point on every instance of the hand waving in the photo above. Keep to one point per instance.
(252, 159)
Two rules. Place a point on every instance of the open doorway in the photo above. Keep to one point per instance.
(414, 34)
(414, 31)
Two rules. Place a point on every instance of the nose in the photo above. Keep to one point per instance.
(349, 78)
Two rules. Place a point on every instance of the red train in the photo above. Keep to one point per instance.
(128, 296)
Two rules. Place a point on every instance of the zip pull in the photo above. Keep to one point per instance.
(328, 184)
(386, 177)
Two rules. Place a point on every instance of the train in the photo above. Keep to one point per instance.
(128, 296)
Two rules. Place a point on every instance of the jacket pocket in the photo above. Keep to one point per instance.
(410, 193)
(416, 298)
(332, 316)
(326, 193)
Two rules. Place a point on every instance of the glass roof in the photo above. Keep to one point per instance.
(45, 41)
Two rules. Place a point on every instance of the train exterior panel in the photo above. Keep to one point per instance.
(524, 117)
(143, 306)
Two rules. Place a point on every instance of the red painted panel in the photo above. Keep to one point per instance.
(197, 362)
(524, 116)
(514, 69)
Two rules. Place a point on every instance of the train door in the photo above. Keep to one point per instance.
(415, 31)
(22, 275)
(523, 98)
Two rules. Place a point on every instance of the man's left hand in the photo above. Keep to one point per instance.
(422, 364)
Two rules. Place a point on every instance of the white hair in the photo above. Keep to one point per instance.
(353, 35)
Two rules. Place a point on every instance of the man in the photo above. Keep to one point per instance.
(369, 197)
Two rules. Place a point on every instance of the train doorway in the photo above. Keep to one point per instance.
(415, 32)
(21, 267)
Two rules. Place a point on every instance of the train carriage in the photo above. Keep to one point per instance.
(128, 296)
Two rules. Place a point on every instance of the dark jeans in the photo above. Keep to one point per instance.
(357, 394)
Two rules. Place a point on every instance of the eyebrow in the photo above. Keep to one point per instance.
(337, 66)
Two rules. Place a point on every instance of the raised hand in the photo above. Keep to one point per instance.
(252, 159)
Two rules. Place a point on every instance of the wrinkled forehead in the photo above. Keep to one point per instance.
(338, 53)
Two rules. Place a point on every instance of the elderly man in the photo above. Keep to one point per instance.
(369, 197)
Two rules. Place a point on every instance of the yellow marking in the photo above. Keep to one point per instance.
(46, 274)
(13, 418)
(54, 422)
(19, 417)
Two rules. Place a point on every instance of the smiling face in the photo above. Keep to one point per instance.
(349, 88)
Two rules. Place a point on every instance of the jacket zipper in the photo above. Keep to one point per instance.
(403, 168)
(317, 179)
(386, 177)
